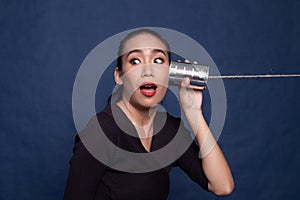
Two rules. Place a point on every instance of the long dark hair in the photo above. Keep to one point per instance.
(117, 95)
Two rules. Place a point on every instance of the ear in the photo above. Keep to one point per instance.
(117, 76)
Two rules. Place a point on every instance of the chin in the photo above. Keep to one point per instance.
(144, 103)
(148, 104)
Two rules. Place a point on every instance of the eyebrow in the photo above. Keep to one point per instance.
(140, 51)
(159, 51)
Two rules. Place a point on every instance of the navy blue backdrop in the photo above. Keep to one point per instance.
(43, 44)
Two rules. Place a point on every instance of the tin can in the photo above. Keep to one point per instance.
(197, 73)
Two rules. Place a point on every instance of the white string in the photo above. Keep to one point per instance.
(256, 76)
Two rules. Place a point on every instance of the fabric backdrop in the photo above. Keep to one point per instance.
(43, 44)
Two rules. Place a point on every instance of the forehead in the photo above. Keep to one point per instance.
(143, 41)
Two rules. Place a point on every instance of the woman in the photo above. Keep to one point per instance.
(130, 123)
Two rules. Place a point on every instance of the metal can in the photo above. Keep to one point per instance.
(197, 73)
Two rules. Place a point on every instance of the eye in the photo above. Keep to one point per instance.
(135, 61)
(158, 60)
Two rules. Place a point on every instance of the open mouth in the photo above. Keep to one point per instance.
(148, 89)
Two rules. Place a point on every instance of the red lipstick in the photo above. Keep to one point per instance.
(148, 89)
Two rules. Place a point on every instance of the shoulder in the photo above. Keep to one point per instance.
(105, 115)
(94, 138)
(99, 125)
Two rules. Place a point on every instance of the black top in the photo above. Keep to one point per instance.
(90, 179)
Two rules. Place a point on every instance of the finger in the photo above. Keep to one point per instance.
(187, 61)
(183, 89)
(185, 82)
(195, 87)
(195, 62)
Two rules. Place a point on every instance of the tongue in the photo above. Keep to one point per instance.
(148, 92)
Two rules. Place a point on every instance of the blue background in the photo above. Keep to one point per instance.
(43, 44)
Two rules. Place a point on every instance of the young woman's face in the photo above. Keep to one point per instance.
(145, 71)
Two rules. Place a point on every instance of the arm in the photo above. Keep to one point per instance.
(84, 175)
(214, 164)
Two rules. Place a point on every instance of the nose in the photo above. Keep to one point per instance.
(147, 70)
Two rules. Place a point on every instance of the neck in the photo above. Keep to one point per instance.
(139, 116)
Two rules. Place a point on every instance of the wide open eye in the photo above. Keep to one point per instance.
(135, 61)
(158, 60)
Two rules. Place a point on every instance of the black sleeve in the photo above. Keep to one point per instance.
(85, 174)
(191, 164)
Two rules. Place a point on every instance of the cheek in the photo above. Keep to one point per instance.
(131, 81)
(162, 76)
(163, 90)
